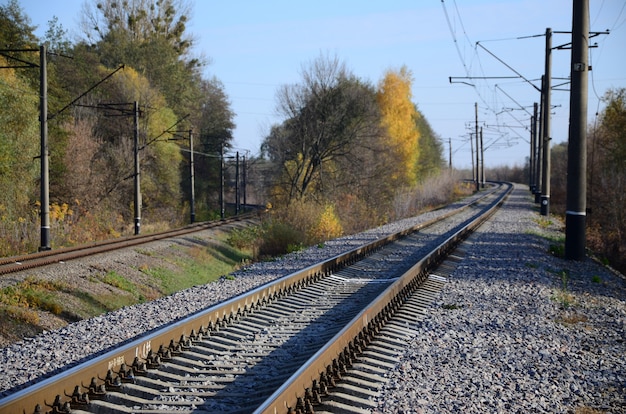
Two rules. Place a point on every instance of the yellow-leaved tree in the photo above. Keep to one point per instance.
(399, 117)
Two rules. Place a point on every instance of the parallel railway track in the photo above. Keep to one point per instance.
(29, 261)
(278, 348)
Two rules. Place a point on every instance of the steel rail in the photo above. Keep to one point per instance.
(29, 261)
(296, 395)
(50, 391)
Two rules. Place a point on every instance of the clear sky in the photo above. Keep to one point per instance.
(256, 46)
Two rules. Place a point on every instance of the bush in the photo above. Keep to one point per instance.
(244, 238)
(327, 226)
(279, 238)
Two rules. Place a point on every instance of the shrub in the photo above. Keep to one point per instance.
(244, 238)
(279, 238)
(327, 226)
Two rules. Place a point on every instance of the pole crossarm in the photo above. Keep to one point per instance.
(568, 45)
(26, 64)
(508, 66)
(450, 78)
(511, 98)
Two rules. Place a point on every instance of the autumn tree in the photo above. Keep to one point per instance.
(19, 145)
(399, 117)
(150, 36)
(607, 179)
(327, 117)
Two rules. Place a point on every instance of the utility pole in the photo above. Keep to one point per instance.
(472, 154)
(477, 148)
(237, 183)
(482, 160)
(45, 175)
(540, 134)
(245, 182)
(545, 178)
(222, 212)
(192, 189)
(137, 179)
(575, 215)
(533, 144)
(450, 153)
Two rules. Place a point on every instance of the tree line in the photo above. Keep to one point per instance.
(345, 148)
(606, 180)
(91, 142)
(348, 154)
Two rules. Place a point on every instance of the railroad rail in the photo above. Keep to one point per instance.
(204, 363)
(43, 258)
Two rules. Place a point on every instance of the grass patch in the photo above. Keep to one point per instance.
(596, 279)
(557, 250)
(205, 265)
(21, 304)
(33, 293)
(116, 280)
(562, 295)
(91, 305)
(544, 222)
(451, 306)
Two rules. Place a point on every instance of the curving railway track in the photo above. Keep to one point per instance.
(283, 347)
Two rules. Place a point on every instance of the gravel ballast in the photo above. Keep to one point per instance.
(54, 351)
(508, 333)
(517, 330)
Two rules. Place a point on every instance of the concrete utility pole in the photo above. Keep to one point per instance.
(575, 215)
(192, 189)
(540, 134)
(244, 184)
(222, 207)
(545, 178)
(472, 155)
(482, 160)
(533, 145)
(136, 175)
(237, 183)
(45, 175)
(477, 148)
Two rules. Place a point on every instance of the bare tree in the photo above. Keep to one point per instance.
(327, 117)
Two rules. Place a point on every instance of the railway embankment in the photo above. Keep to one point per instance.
(517, 328)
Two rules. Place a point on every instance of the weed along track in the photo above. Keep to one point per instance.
(281, 347)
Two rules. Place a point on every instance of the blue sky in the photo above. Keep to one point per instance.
(256, 46)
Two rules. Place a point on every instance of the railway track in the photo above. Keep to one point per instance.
(29, 261)
(279, 348)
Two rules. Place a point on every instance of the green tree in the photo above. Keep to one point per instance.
(56, 37)
(16, 31)
(430, 158)
(150, 36)
(19, 145)
(214, 134)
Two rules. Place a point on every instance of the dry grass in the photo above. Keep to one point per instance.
(587, 410)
